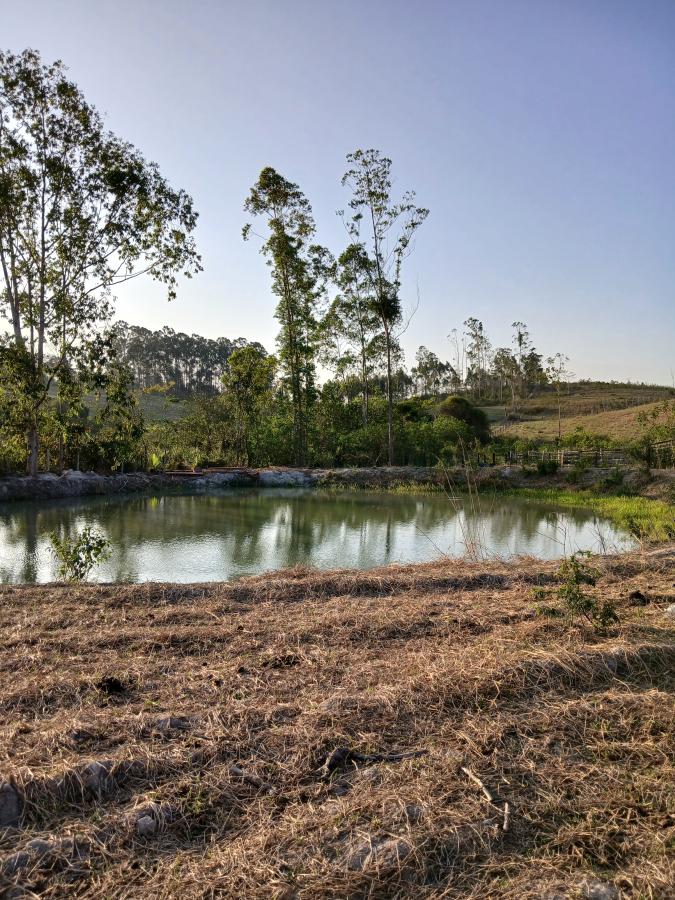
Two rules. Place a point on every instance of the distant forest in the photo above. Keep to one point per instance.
(189, 363)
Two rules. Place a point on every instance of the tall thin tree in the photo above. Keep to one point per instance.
(384, 227)
(299, 271)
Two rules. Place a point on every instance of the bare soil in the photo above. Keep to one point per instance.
(414, 731)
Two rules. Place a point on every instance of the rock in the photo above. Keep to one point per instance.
(95, 776)
(10, 806)
(172, 723)
(594, 889)
(284, 479)
(383, 854)
(146, 826)
(670, 611)
(414, 813)
(637, 598)
(33, 851)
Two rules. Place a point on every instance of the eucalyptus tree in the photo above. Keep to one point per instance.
(300, 269)
(507, 372)
(429, 373)
(522, 344)
(558, 374)
(384, 227)
(353, 321)
(478, 350)
(248, 386)
(81, 212)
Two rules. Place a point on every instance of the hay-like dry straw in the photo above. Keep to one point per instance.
(314, 735)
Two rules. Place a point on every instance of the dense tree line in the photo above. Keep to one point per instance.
(186, 363)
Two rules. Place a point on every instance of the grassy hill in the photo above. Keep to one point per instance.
(159, 408)
(620, 425)
(599, 408)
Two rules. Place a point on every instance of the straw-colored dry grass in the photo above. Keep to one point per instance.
(171, 741)
(618, 424)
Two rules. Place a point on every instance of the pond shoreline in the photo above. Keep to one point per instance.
(79, 484)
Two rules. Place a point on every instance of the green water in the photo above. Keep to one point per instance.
(216, 537)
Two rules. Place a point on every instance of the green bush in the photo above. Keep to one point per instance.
(460, 408)
(78, 556)
(547, 467)
(575, 575)
(614, 480)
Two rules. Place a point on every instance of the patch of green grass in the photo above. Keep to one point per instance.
(647, 520)
(650, 520)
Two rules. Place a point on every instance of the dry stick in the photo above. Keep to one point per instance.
(251, 779)
(480, 784)
(506, 809)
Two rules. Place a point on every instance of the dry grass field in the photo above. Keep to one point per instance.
(618, 424)
(409, 732)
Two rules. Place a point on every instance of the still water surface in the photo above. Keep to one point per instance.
(216, 537)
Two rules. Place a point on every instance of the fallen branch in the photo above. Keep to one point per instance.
(251, 779)
(342, 755)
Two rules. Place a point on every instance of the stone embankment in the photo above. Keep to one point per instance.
(78, 484)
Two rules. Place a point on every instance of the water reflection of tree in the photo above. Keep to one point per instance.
(269, 527)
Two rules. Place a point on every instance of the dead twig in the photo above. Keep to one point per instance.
(250, 778)
(342, 755)
(476, 780)
(506, 808)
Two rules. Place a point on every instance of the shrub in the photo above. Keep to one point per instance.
(575, 575)
(547, 467)
(460, 408)
(576, 473)
(614, 480)
(78, 556)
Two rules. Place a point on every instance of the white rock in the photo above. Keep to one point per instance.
(593, 889)
(95, 776)
(670, 611)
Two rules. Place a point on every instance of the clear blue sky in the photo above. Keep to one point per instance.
(540, 133)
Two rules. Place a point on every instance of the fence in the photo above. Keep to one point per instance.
(660, 455)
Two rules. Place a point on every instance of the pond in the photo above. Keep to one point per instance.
(220, 536)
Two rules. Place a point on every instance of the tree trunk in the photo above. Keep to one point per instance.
(33, 449)
(559, 419)
(390, 428)
(364, 379)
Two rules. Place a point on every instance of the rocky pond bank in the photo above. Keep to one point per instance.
(78, 484)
